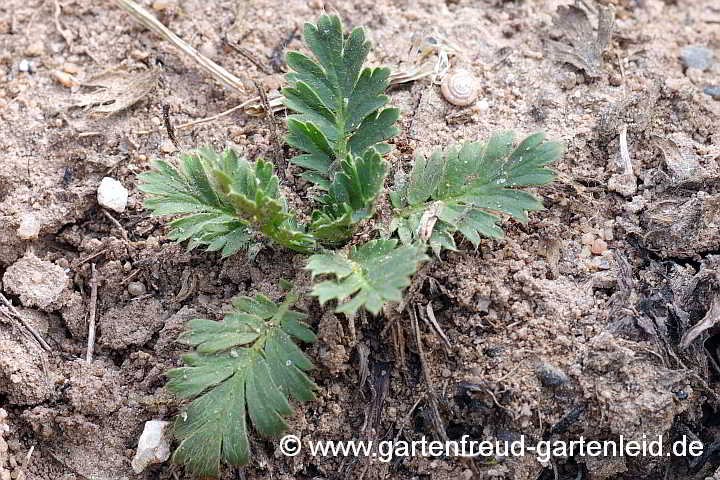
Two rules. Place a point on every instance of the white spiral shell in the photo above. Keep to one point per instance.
(460, 88)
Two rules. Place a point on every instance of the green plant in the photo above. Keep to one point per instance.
(246, 364)
(224, 197)
(224, 202)
(339, 104)
(465, 188)
(372, 274)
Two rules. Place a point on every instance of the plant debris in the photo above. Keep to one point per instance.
(585, 49)
(116, 90)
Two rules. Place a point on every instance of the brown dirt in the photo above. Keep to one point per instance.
(548, 339)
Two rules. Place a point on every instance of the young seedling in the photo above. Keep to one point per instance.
(247, 365)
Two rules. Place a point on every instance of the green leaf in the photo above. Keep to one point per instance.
(338, 103)
(466, 188)
(333, 225)
(371, 275)
(350, 198)
(245, 366)
(224, 198)
(360, 181)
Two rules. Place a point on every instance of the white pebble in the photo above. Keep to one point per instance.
(153, 446)
(136, 289)
(29, 228)
(167, 146)
(111, 194)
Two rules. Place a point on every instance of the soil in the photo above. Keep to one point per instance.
(576, 325)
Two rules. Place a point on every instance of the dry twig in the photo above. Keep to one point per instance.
(93, 310)
(117, 224)
(435, 325)
(432, 397)
(16, 315)
(250, 57)
(274, 133)
(66, 34)
(148, 20)
(92, 256)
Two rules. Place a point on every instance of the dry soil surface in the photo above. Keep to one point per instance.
(579, 324)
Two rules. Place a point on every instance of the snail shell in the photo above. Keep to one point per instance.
(460, 88)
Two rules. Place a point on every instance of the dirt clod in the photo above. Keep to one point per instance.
(38, 283)
(133, 324)
(22, 377)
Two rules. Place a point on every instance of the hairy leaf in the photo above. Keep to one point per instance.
(465, 189)
(350, 198)
(371, 275)
(223, 198)
(245, 366)
(339, 104)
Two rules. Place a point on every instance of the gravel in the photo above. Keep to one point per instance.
(112, 195)
(713, 91)
(697, 56)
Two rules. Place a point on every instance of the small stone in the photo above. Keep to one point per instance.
(71, 68)
(153, 445)
(695, 75)
(136, 289)
(167, 146)
(587, 238)
(467, 474)
(111, 194)
(601, 262)
(604, 280)
(599, 246)
(163, 5)
(64, 79)
(697, 56)
(35, 49)
(25, 66)
(139, 55)
(567, 80)
(91, 244)
(550, 375)
(713, 91)
(29, 228)
(608, 231)
(207, 49)
(638, 203)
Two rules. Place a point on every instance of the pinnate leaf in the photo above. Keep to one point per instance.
(370, 275)
(224, 198)
(466, 188)
(339, 104)
(243, 367)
